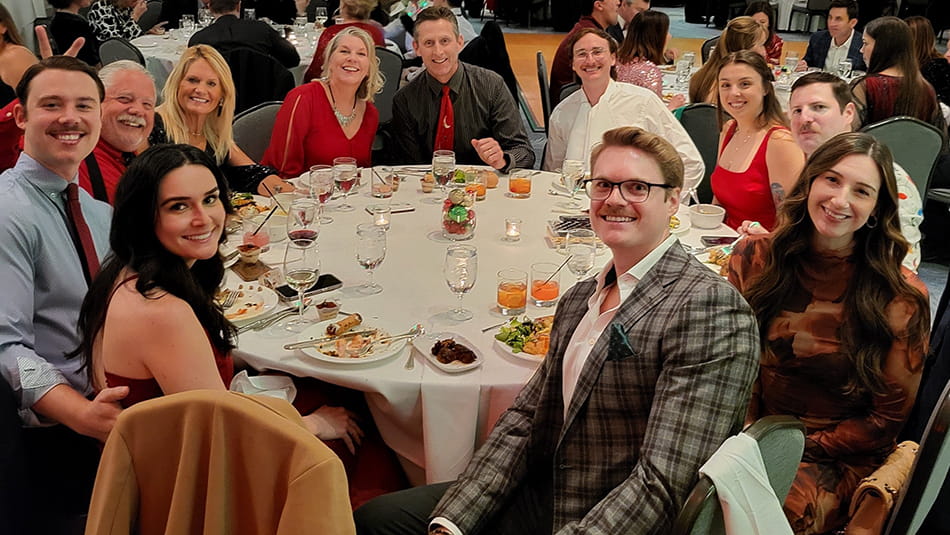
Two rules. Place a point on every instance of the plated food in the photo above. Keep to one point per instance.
(715, 260)
(525, 335)
(248, 205)
(449, 352)
(679, 223)
(251, 300)
(349, 347)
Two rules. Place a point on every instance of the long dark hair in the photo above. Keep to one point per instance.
(136, 246)
(646, 38)
(771, 113)
(763, 7)
(12, 35)
(866, 336)
(894, 47)
(924, 39)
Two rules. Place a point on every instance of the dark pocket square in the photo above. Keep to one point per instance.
(619, 348)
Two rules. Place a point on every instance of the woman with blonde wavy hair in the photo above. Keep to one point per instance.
(198, 109)
(332, 116)
(843, 325)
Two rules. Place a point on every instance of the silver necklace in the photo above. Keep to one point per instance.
(344, 120)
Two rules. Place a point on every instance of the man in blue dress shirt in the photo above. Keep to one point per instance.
(47, 469)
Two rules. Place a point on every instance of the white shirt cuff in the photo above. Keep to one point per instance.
(445, 523)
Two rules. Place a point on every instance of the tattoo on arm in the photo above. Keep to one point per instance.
(778, 193)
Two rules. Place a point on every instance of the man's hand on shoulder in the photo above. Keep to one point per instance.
(91, 418)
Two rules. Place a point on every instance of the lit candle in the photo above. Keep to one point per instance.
(512, 229)
(381, 215)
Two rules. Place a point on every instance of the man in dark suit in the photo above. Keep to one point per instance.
(649, 370)
(230, 31)
(826, 48)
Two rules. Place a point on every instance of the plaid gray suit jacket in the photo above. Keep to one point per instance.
(649, 408)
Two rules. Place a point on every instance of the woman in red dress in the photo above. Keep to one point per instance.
(333, 116)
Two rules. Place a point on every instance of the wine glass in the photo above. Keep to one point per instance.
(572, 173)
(581, 250)
(370, 253)
(321, 188)
(301, 268)
(460, 270)
(320, 16)
(303, 220)
(344, 172)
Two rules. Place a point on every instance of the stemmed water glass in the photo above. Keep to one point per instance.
(303, 220)
(320, 16)
(460, 270)
(572, 174)
(301, 268)
(321, 188)
(443, 167)
(581, 250)
(344, 173)
(370, 253)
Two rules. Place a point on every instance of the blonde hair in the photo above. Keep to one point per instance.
(373, 82)
(357, 9)
(742, 33)
(217, 127)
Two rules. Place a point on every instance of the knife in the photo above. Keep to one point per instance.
(325, 339)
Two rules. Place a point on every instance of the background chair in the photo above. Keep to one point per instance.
(781, 442)
(252, 128)
(914, 145)
(813, 8)
(44, 22)
(567, 90)
(257, 77)
(390, 64)
(701, 123)
(706, 48)
(116, 48)
(152, 15)
(489, 51)
(217, 462)
(545, 89)
(928, 474)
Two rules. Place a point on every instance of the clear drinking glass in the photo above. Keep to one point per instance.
(844, 69)
(443, 167)
(249, 14)
(519, 183)
(303, 220)
(204, 16)
(683, 70)
(301, 269)
(460, 270)
(581, 248)
(572, 173)
(321, 188)
(321, 16)
(300, 27)
(370, 253)
(545, 284)
(344, 173)
(512, 292)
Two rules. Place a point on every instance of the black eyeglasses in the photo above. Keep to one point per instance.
(599, 189)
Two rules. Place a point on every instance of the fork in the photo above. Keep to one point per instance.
(229, 299)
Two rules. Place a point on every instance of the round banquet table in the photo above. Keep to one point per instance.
(432, 419)
(162, 52)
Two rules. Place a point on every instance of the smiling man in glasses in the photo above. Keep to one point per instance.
(650, 370)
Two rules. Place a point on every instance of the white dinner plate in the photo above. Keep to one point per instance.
(505, 349)
(253, 301)
(684, 224)
(704, 258)
(424, 345)
(379, 352)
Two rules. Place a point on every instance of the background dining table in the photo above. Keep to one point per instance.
(432, 419)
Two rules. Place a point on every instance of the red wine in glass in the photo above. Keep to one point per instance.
(325, 196)
(347, 183)
(302, 236)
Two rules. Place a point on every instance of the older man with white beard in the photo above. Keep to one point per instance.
(128, 114)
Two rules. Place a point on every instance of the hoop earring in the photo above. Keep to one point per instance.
(872, 221)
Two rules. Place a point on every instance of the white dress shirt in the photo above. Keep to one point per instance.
(576, 126)
(837, 53)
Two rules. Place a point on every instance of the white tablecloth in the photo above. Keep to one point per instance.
(429, 417)
(163, 51)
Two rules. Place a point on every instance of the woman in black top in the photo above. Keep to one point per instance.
(934, 67)
(68, 24)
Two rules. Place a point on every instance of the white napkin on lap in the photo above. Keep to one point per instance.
(275, 386)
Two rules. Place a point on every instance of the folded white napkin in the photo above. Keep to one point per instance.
(275, 386)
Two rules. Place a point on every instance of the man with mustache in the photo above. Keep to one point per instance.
(128, 114)
(650, 369)
(52, 236)
(820, 108)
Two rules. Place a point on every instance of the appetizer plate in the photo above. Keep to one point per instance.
(253, 301)
(326, 352)
(424, 344)
(505, 349)
(704, 258)
(684, 225)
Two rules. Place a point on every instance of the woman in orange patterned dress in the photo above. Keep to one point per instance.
(843, 325)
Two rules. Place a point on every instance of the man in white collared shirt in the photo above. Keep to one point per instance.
(827, 48)
(650, 369)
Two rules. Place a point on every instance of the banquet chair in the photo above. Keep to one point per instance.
(700, 122)
(252, 128)
(217, 462)
(914, 145)
(390, 64)
(152, 15)
(706, 49)
(811, 9)
(928, 474)
(45, 22)
(781, 441)
(116, 48)
(567, 90)
(257, 77)
(489, 51)
(545, 89)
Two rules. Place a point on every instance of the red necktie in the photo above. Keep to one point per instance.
(445, 130)
(82, 238)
